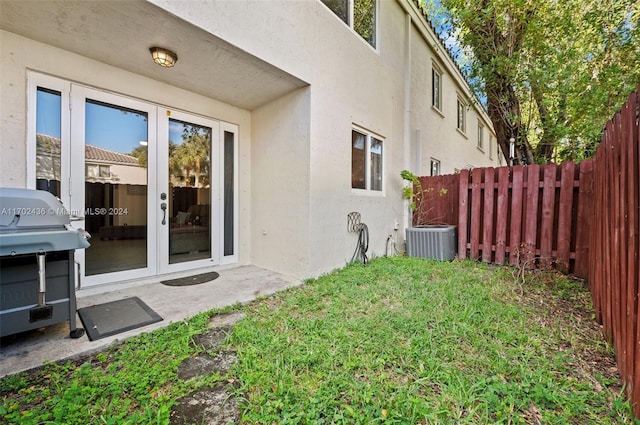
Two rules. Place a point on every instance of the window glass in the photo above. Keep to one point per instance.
(340, 8)
(358, 160)
(361, 12)
(229, 185)
(366, 161)
(190, 180)
(435, 167)
(364, 19)
(436, 89)
(461, 116)
(480, 136)
(116, 182)
(48, 133)
(376, 164)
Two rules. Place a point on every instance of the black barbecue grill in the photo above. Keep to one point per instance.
(37, 270)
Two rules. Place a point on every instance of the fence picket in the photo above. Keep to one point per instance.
(567, 170)
(546, 219)
(476, 198)
(531, 214)
(487, 222)
(502, 214)
(583, 219)
(517, 200)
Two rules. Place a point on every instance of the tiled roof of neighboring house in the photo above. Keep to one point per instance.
(101, 154)
(47, 144)
(51, 145)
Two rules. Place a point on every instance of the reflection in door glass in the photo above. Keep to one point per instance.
(190, 188)
(48, 122)
(115, 188)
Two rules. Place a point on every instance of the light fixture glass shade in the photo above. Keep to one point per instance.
(163, 57)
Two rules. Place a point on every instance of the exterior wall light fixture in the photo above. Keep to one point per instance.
(163, 57)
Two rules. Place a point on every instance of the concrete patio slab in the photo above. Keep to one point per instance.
(173, 303)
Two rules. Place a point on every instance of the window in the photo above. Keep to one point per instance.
(480, 136)
(462, 116)
(436, 89)
(357, 14)
(366, 161)
(95, 170)
(435, 167)
(48, 134)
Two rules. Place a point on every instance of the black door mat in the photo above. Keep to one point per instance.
(191, 280)
(115, 317)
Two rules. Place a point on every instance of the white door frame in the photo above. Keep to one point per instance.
(163, 187)
(79, 95)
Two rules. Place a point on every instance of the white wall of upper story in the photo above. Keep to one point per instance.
(434, 131)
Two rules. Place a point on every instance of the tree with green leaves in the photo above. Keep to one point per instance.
(140, 152)
(192, 154)
(552, 72)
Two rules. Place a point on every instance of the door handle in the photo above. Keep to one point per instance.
(163, 206)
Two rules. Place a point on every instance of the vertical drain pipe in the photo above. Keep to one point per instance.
(408, 25)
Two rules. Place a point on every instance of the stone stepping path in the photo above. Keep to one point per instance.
(209, 405)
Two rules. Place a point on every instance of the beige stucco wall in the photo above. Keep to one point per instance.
(280, 195)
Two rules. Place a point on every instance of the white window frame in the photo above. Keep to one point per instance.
(36, 80)
(350, 21)
(480, 136)
(369, 137)
(436, 98)
(461, 114)
(436, 165)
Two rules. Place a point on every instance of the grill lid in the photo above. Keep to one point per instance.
(33, 221)
(21, 209)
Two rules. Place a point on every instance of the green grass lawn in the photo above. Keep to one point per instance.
(401, 340)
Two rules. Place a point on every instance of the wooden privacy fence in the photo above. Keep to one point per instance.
(581, 218)
(516, 215)
(614, 273)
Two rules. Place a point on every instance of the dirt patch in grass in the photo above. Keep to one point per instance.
(582, 338)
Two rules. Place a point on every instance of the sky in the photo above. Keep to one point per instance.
(106, 127)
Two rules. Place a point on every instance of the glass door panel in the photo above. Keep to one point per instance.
(190, 179)
(116, 181)
(48, 140)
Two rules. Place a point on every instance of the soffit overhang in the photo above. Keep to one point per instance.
(120, 33)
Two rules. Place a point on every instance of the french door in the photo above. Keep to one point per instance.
(188, 191)
(156, 188)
